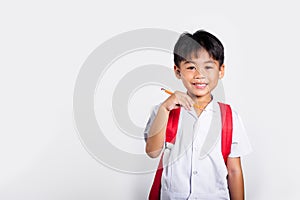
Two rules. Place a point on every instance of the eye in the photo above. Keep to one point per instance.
(208, 67)
(191, 67)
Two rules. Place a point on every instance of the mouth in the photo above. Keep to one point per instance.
(200, 85)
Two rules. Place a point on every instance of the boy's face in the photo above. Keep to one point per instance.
(200, 74)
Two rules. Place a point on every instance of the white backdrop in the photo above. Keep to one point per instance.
(44, 45)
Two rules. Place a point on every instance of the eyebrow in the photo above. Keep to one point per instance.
(210, 61)
(190, 61)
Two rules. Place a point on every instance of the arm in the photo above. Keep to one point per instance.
(156, 137)
(235, 178)
(155, 140)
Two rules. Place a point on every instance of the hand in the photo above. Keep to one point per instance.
(178, 99)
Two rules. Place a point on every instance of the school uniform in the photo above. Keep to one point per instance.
(194, 167)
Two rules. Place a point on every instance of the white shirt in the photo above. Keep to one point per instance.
(194, 167)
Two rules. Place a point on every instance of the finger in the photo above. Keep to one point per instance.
(189, 101)
(184, 100)
(186, 105)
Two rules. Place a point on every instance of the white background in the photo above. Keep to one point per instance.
(44, 44)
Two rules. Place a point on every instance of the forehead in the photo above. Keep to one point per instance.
(199, 57)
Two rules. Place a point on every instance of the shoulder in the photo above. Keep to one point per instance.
(155, 108)
(240, 142)
(235, 114)
(153, 112)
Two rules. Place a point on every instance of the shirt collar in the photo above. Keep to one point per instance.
(209, 108)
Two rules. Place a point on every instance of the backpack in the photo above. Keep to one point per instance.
(171, 131)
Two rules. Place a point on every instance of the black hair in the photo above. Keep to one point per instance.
(189, 45)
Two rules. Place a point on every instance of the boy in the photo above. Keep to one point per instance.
(193, 166)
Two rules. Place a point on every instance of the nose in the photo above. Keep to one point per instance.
(199, 73)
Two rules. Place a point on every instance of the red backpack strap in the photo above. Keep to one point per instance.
(172, 125)
(226, 114)
(171, 131)
(156, 185)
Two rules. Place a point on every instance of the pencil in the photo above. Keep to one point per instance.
(167, 91)
(195, 105)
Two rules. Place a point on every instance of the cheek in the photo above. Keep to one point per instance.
(213, 77)
(185, 82)
(185, 77)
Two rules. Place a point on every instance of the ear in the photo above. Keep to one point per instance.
(221, 71)
(177, 72)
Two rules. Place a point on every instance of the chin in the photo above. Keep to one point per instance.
(200, 93)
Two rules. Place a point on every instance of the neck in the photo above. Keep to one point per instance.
(201, 102)
(201, 99)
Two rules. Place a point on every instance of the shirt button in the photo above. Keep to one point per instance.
(195, 172)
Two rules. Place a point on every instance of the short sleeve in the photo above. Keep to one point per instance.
(240, 142)
(150, 121)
